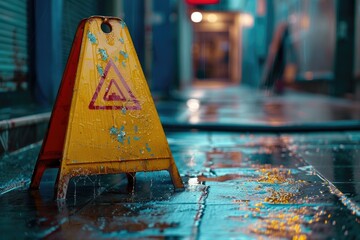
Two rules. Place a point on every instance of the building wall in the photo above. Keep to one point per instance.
(357, 41)
(185, 45)
(252, 45)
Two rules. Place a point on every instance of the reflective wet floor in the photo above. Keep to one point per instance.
(238, 186)
(241, 108)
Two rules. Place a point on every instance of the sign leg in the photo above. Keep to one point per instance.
(37, 175)
(175, 176)
(62, 186)
(131, 178)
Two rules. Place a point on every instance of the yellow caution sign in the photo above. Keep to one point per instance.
(113, 126)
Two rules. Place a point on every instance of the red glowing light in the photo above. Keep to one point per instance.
(202, 2)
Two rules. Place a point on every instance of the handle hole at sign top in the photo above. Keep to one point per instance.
(106, 27)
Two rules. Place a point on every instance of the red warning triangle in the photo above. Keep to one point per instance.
(114, 97)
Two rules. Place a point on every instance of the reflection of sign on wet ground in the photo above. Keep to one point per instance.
(115, 92)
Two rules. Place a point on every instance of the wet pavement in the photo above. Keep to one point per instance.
(292, 181)
(238, 186)
(245, 109)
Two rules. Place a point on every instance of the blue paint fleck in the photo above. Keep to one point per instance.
(103, 53)
(148, 147)
(120, 138)
(123, 25)
(100, 70)
(121, 40)
(124, 54)
(119, 133)
(92, 37)
(116, 59)
(136, 138)
(123, 63)
(136, 129)
(123, 110)
(128, 140)
(113, 130)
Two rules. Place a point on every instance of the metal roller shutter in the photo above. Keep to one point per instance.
(73, 12)
(13, 45)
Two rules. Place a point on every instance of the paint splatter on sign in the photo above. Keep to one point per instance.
(92, 37)
(125, 54)
(100, 70)
(103, 54)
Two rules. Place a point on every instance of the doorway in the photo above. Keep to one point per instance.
(216, 49)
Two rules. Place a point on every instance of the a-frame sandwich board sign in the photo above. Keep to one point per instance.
(104, 120)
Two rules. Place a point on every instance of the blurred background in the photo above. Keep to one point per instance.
(303, 45)
(220, 71)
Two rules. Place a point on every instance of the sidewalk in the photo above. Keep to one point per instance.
(244, 109)
(238, 184)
